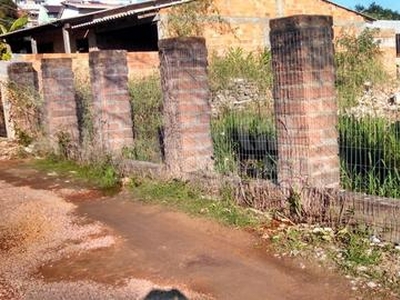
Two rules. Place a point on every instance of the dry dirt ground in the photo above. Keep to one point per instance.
(62, 240)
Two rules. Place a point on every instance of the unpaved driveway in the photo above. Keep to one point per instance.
(59, 240)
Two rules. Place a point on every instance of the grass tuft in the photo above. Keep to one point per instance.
(102, 174)
(188, 198)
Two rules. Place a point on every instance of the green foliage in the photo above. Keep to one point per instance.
(356, 249)
(357, 62)
(227, 129)
(25, 109)
(102, 173)
(8, 26)
(187, 19)
(84, 99)
(64, 143)
(8, 12)
(23, 138)
(254, 120)
(235, 64)
(378, 12)
(186, 197)
(146, 99)
(225, 158)
(15, 25)
(370, 155)
(5, 53)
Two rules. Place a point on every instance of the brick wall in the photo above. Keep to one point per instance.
(387, 42)
(59, 107)
(305, 101)
(139, 63)
(22, 88)
(111, 100)
(249, 21)
(142, 64)
(187, 112)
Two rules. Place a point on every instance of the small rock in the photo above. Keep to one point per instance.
(371, 284)
(375, 240)
(28, 149)
(362, 268)
(265, 236)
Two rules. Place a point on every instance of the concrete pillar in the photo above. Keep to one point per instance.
(66, 39)
(22, 82)
(305, 102)
(111, 101)
(186, 94)
(60, 115)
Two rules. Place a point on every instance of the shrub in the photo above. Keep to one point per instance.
(357, 62)
(370, 155)
(146, 100)
(255, 67)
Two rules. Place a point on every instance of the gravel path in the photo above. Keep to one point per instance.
(38, 227)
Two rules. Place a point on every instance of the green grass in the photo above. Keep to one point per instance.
(370, 155)
(188, 198)
(84, 99)
(357, 60)
(101, 174)
(227, 130)
(236, 63)
(349, 250)
(146, 100)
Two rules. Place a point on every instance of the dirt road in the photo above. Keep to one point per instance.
(61, 240)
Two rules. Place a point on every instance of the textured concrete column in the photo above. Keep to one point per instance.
(186, 93)
(111, 101)
(23, 79)
(60, 115)
(305, 102)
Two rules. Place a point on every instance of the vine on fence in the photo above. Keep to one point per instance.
(24, 113)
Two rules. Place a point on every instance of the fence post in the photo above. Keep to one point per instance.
(59, 108)
(22, 77)
(112, 113)
(305, 101)
(187, 112)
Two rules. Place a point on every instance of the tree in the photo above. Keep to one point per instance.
(17, 24)
(378, 12)
(8, 12)
(5, 50)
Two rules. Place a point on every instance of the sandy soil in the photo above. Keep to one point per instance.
(61, 240)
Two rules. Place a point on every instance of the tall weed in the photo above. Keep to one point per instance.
(358, 61)
(146, 100)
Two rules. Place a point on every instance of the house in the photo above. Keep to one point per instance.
(139, 26)
(131, 27)
(75, 8)
(392, 26)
